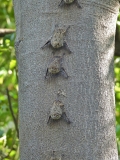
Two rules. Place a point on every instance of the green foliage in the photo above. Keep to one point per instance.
(117, 91)
(117, 98)
(9, 143)
(6, 14)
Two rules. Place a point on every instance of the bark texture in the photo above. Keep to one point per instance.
(90, 88)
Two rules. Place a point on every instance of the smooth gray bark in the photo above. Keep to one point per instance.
(90, 88)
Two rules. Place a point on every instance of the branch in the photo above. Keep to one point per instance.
(16, 72)
(12, 113)
(117, 48)
(4, 31)
(117, 41)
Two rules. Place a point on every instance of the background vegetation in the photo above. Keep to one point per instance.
(9, 136)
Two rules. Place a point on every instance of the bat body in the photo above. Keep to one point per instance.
(57, 40)
(67, 2)
(55, 67)
(57, 112)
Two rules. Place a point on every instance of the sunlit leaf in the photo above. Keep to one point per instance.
(12, 64)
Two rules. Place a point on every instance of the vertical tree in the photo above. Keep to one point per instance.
(89, 100)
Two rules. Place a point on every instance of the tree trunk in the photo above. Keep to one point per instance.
(89, 100)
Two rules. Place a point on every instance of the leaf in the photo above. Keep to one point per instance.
(118, 130)
(12, 64)
(1, 133)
